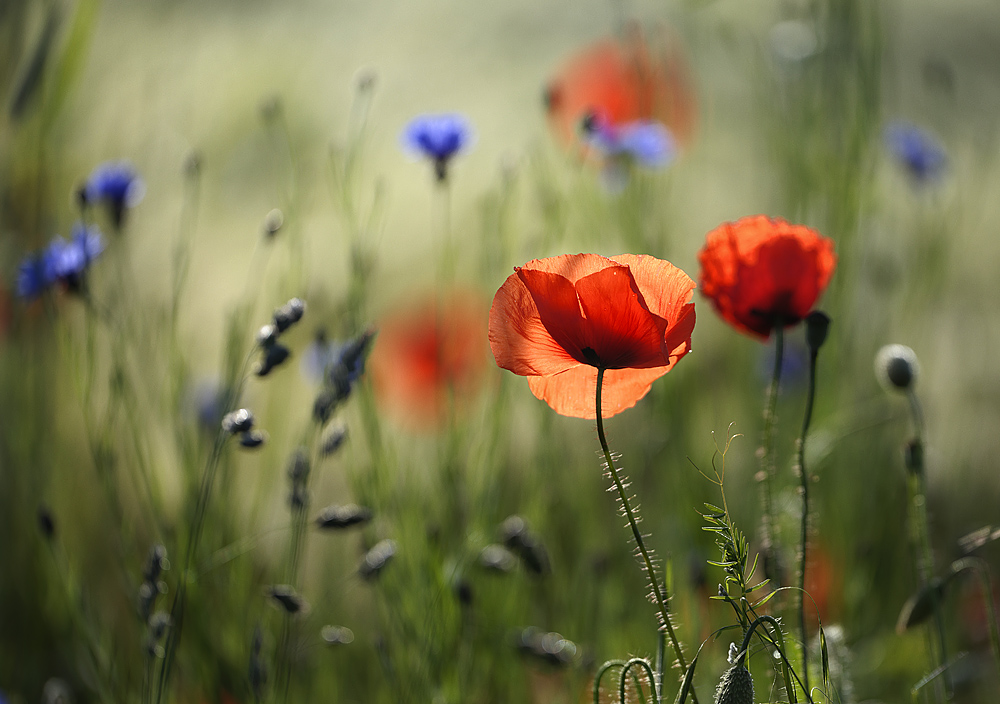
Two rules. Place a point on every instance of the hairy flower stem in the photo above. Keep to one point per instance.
(921, 532)
(658, 595)
(767, 458)
(804, 533)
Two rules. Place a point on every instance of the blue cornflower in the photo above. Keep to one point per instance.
(61, 261)
(71, 259)
(116, 184)
(643, 142)
(919, 151)
(35, 274)
(437, 137)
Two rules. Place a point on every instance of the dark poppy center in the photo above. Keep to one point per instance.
(590, 356)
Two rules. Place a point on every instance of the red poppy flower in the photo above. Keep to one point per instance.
(622, 81)
(428, 355)
(556, 320)
(761, 271)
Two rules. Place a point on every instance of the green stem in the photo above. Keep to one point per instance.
(654, 584)
(921, 532)
(767, 459)
(201, 508)
(804, 532)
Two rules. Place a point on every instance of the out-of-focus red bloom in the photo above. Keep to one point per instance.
(624, 80)
(428, 355)
(760, 272)
(824, 583)
(556, 320)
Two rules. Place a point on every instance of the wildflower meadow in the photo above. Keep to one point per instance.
(475, 353)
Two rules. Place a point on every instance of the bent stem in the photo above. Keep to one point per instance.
(658, 595)
(767, 459)
(804, 533)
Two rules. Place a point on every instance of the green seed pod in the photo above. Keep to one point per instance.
(735, 687)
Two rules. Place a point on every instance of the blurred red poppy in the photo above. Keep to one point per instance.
(556, 320)
(624, 80)
(824, 585)
(428, 355)
(760, 272)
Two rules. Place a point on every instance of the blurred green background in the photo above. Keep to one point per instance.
(266, 98)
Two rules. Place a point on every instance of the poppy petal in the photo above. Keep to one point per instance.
(572, 392)
(667, 292)
(620, 328)
(760, 270)
(571, 266)
(519, 340)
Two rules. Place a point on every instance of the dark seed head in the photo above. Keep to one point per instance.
(252, 439)
(274, 356)
(284, 595)
(287, 315)
(237, 421)
(338, 517)
(333, 441)
(376, 559)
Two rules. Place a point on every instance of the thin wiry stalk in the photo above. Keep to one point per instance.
(804, 532)
(921, 533)
(654, 584)
(767, 459)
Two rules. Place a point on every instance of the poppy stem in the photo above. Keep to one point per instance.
(920, 533)
(658, 593)
(804, 532)
(771, 567)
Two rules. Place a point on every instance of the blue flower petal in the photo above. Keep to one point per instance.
(438, 137)
(917, 150)
(115, 182)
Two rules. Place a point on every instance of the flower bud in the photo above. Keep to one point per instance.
(338, 517)
(252, 439)
(285, 596)
(376, 559)
(337, 635)
(273, 222)
(735, 687)
(333, 441)
(274, 356)
(289, 314)
(238, 421)
(896, 367)
(817, 327)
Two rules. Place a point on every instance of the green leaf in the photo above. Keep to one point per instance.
(766, 599)
(685, 689)
(825, 657)
(758, 586)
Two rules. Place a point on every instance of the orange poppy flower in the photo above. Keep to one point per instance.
(621, 81)
(556, 320)
(761, 271)
(427, 355)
